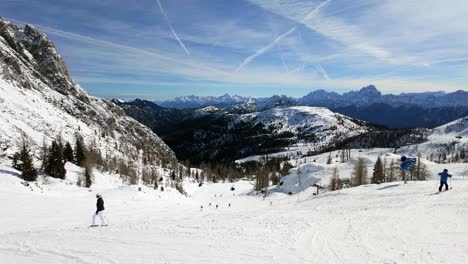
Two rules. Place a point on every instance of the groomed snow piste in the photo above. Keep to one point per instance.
(387, 223)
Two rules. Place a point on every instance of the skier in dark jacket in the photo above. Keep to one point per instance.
(443, 179)
(99, 211)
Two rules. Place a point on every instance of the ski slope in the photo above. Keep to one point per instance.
(387, 223)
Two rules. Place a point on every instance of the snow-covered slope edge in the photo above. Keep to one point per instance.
(39, 100)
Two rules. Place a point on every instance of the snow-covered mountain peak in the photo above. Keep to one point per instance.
(317, 124)
(37, 51)
(41, 102)
(195, 101)
(370, 90)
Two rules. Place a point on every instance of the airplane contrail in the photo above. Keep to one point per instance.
(315, 11)
(322, 71)
(108, 44)
(276, 40)
(172, 28)
(264, 49)
(298, 69)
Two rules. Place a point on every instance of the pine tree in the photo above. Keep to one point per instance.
(16, 164)
(385, 169)
(377, 175)
(335, 182)
(29, 172)
(132, 173)
(88, 176)
(68, 153)
(359, 174)
(44, 154)
(80, 153)
(55, 165)
(329, 160)
(202, 176)
(420, 171)
(391, 171)
(23, 162)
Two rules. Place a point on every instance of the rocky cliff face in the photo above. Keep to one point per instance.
(38, 99)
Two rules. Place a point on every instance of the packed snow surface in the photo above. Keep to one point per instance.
(386, 223)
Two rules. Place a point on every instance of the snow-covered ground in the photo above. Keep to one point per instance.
(387, 223)
(314, 169)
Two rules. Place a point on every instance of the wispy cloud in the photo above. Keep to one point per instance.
(163, 12)
(398, 45)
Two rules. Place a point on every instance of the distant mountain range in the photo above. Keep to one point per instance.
(193, 101)
(370, 95)
(428, 109)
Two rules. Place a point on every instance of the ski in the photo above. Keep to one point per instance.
(440, 192)
(92, 226)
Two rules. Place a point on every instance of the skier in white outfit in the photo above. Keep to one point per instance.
(99, 211)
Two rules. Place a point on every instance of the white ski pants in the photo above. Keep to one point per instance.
(101, 215)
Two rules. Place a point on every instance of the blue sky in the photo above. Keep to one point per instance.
(165, 48)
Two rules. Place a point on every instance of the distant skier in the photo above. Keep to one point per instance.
(443, 179)
(99, 211)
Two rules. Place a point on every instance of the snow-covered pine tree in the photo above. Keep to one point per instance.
(16, 163)
(378, 174)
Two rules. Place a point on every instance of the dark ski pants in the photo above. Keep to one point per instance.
(442, 184)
